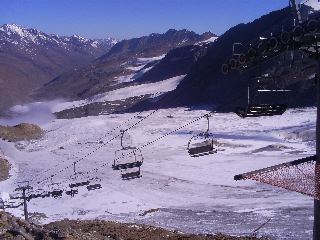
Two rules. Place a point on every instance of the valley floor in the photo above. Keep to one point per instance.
(176, 191)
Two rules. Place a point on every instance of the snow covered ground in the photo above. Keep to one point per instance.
(151, 88)
(175, 191)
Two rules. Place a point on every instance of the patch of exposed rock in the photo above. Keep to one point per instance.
(4, 170)
(15, 228)
(22, 131)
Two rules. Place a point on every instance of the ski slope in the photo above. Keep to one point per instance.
(175, 191)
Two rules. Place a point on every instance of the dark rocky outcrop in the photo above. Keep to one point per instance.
(22, 131)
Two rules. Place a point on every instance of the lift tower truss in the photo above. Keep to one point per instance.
(303, 37)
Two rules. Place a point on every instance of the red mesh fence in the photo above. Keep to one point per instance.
(301, 175)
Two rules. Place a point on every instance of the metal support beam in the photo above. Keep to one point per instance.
(296, 11)
(122, 132)
(25, 209)
(316, 223)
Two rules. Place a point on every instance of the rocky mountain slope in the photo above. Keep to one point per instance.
(15, 228)
(22, 131)
(30, 58)
(123, 59)
(175, 53)
(205, 84)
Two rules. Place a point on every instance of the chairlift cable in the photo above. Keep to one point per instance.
(177, 129)
(195, 120)
(135, 124)
(149, 143)
(104, 144)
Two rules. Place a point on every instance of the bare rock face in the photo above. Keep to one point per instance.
(22, 131)
(15, 228)
(4, 169)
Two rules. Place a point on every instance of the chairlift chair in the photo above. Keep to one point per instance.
(45, 194)
(201, 144)
(39, 193)
(128, 160)
(56, 193)
(72, 192)
(266, 102)
(79, 180)
(94, 186)
(78, 184)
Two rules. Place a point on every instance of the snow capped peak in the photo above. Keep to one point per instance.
(13, 28)
(108, 40)
(26, 35)
(79, 37)
(22, 37)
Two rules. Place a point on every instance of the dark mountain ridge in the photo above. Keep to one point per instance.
(206, 85)
(183, 53)
(99, 76)
(156, 44)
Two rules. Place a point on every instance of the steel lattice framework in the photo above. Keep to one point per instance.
(304, 37)
(301, 175)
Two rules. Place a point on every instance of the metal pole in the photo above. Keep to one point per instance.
(316, 223)
(296, 11)
(248, 96)
(25, 205)
(122, 132)
(208, 126)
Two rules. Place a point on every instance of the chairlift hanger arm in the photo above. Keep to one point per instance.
(122, 132)
(208, 123)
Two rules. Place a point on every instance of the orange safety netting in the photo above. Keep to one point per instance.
(301, 175)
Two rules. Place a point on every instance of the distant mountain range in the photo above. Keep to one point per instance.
(30, 58)
(100, 75)
(148, 59)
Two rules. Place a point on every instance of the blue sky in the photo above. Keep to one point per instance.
(125, 19)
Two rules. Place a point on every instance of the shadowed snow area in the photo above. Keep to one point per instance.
(193, 195)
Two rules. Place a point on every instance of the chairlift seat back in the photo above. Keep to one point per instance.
(127, 165)
(94, 186)
(199, 149)
(72, 185)
(201, 145)
(131, 175)
(72, 192)
(261, 110)
(56, 193)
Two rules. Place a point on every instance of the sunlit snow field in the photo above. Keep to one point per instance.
(176, 191)
(193, 195)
